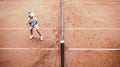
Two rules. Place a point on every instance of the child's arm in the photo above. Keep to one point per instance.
(34, 24)
(29, 23)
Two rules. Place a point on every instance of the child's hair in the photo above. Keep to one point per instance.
(31, 13)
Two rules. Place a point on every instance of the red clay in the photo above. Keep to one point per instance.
(14, 33)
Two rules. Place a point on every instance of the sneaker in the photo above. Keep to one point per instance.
(41, 38)
(31, 37)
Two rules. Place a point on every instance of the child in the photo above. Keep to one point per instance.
(33, 25)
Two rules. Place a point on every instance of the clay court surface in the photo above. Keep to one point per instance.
(92, 33)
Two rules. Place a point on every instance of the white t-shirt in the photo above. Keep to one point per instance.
(32, 21)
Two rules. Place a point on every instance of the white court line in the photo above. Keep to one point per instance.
(22, 28)
(74, 49)
(92, 28)
(28, 48)
(47, 3)
(57, 1)
(109, 49)
(28, 2)
(67, 28)
(93, 2)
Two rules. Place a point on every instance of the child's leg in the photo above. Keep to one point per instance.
(38, 32)
(41, 37)
(31, 31)
(37, 28)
